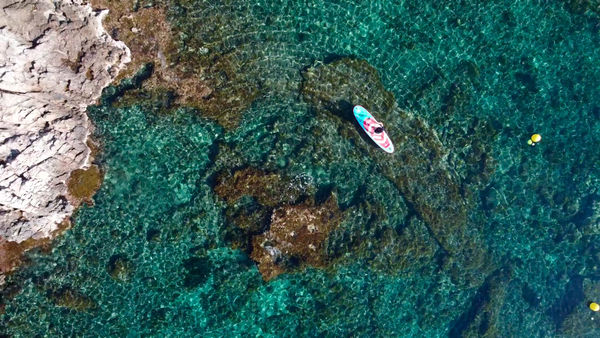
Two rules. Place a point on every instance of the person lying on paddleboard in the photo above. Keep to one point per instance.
(378, 128)
(373, 128)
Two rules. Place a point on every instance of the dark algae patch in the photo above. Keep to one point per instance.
(119, 267)
(296, 237)
(240, 198)
(71, 299)
(83, 183)
(277, 222)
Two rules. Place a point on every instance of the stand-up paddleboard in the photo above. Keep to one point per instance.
(369, 125)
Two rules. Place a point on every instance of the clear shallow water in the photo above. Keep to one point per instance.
(159, 253)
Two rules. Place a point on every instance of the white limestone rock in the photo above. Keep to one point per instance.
(55, 58)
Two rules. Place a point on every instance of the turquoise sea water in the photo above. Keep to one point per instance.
(465, 231)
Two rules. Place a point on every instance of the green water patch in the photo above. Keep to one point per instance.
(152, 256)
(466, 230)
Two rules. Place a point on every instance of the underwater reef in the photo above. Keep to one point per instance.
(240, 197)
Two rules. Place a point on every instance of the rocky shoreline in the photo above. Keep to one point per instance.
(56, 58)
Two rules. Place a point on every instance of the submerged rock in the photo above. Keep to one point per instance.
(484, 315)
(83, 183)
(72, 299)
(419, 167)
(56, 58)
(251, 196)
(120, 268)
(276, 222)
(296, 238)
(194, 75)
(269, 189)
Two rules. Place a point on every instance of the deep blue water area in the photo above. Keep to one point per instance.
(466, 230)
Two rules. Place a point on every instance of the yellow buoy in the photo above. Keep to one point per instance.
(535, 138)
(594, 307)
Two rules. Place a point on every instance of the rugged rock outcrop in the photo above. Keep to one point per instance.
(278, 222)
(297, 236)
(55, 59)
(185, 70)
